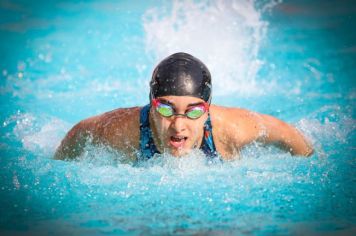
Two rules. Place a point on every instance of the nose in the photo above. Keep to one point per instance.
(178, 123)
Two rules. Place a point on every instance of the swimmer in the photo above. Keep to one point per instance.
(180, 118)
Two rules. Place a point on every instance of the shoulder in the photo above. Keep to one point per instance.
(232, 116)
(222, 112)
(235, 125)
(123, 117)
(118, 128)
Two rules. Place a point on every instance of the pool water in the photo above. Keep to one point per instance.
(63, 61)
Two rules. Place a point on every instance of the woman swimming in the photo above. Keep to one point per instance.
(180, 118)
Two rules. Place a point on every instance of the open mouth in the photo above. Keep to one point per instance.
(177, 141)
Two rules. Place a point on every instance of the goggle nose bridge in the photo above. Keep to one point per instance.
(182, 115)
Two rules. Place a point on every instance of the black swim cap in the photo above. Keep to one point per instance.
(181, 74)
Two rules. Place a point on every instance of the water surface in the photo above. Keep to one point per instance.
(65, 61)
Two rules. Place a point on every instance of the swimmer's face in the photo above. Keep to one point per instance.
(178, 134)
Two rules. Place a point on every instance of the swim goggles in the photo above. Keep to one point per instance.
(167, 110)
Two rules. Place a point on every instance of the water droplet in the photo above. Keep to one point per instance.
(20, 75)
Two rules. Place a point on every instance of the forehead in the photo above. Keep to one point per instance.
(181, 101)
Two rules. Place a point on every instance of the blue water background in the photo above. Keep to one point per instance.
(63, 61)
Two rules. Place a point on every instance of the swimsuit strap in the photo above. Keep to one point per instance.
(148, 148)
(208, 146)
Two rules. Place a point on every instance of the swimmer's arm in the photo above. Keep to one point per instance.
(73, 143)
(273, 130)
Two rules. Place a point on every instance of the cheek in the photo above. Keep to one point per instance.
(196, 129)
(163, 124)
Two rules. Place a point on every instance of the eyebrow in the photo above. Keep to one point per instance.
(166, 102)
(195, 104)
(171, 104)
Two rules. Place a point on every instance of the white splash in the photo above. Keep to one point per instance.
(38, 134)
(336, 126)
(225, 35)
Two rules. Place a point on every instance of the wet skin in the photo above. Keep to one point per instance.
(233, 128)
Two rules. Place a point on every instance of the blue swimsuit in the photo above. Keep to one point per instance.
(148, 148)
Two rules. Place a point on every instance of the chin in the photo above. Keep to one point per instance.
(179, 152)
